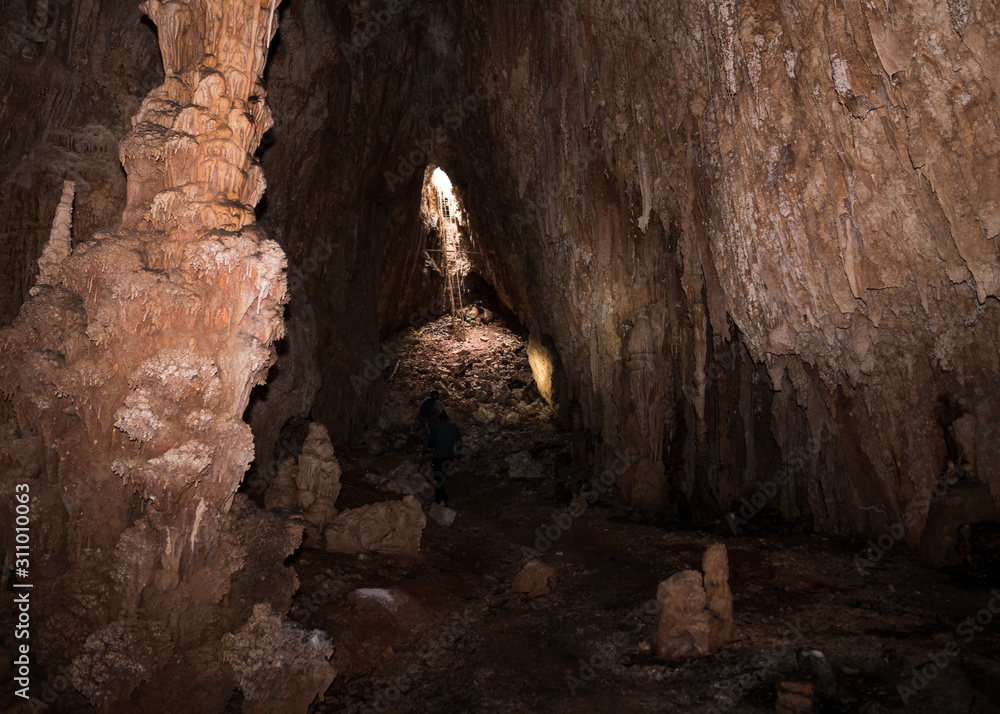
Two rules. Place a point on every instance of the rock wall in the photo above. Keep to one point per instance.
(125, 378)
(355, 86)
(761, 236)
(72, 74)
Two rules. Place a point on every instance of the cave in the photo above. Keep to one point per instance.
(500, 356)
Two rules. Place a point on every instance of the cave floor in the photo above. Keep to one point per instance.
(462, 641)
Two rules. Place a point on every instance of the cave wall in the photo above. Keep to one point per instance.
(810, 188)
(355, 86)
(72, 75)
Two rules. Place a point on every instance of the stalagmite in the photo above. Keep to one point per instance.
(695, 610)
(60, 243)
(158, 546)
(311, 485)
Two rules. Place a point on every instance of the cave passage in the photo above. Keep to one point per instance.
(450, 254)
(708, 290)
(826, 624)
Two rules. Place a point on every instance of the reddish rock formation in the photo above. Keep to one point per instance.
(126, 376)
(694, 610)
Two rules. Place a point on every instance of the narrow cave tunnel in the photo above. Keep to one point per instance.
(707, 292)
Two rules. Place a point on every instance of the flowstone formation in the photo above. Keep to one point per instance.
(126, 376)
(311, 485)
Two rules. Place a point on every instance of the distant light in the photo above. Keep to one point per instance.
(441, 181)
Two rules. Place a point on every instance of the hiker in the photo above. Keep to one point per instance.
(446, 443)
(426, 414)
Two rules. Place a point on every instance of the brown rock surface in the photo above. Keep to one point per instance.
(758, 239)
(718, 597)
(390, 527)
(759, 243)
(535, 579)
(683, 625)
(695, 610)
(126, 375)
(310, 485)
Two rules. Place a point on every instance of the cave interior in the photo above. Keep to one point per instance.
(709, 292)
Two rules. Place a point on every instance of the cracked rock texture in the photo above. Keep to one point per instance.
(762, 238)
(311, 485)
(392, 527)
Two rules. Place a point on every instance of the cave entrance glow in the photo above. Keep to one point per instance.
(443, 211)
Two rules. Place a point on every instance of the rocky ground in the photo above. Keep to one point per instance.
(446, 633)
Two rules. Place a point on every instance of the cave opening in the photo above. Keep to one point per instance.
(442, 210)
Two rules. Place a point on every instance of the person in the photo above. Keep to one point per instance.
(426, 413)
(446, 442)
(471, 312)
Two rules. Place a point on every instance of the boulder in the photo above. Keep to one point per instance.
(280, 667)
(683, 624)
(536, 578)
(695, 611)
(375, 441)
(404, 610)
(484, 416)
(522, 466)
(511, 419)
(795, 697)
(443, 515)
(391, 527)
